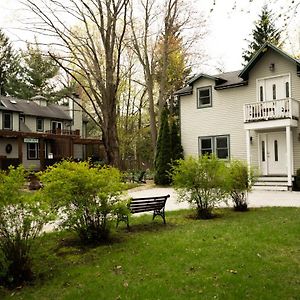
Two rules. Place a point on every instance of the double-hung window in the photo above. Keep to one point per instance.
(33, 151)
(7, 121)
(204, 97)
(218, 145)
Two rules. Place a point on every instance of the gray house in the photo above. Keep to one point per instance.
(251, 114)
(36, 133)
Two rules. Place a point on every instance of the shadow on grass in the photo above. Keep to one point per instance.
(147, 227)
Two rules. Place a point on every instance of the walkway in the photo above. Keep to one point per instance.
(256, 198)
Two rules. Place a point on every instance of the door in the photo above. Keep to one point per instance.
(273, 153)
(274, 88)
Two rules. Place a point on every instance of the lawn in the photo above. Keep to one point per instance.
(252, 255)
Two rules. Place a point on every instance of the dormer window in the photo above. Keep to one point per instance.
(7, 121)
(204, 97)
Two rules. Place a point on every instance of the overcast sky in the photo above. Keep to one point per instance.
(228, 28)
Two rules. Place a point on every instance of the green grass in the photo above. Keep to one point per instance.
(252, 255)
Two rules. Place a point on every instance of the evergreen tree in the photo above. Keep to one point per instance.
(163, 151)
(9, 65)
(39, 73)
(264, 31)
(176, 147)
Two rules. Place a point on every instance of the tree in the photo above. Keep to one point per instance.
(91, 55)
(9, 65)
(163, 152)
(176, 147)
(264, 31)
(201, 182)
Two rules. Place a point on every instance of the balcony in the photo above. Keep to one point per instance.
(64, 132)
(287, 108)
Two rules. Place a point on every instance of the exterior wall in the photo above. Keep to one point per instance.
(14, 151)
(77, 117)
(226, 114)
(78, 151)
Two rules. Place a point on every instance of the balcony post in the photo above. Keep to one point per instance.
(289, 154)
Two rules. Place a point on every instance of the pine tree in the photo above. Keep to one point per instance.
(9, 64)
(163, 151)
(176, 147)
(264, 31)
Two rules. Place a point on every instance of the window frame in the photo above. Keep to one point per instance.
(214, 144)
(10, 120)
(42, 123)
(37, 150)
(209, 88)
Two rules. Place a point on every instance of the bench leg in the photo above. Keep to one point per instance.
(122, 219)
(159, 213)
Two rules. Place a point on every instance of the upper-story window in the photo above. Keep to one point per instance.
(7, 121)
(261, 93)
(39, 124)
(204, 97)
(274, 91)
(56, 126)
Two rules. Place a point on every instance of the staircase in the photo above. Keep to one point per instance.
(272, 183)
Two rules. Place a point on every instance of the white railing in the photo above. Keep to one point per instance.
(287, 108)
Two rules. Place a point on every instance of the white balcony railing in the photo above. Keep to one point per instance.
(287, 108)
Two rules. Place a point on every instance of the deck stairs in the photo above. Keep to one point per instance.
(272, 183)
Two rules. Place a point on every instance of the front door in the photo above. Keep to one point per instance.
(273, 153)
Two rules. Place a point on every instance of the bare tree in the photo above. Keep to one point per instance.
(90, 54)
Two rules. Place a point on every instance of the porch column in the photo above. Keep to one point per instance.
(289, 154)
(42, 154)
(20, 149)
(248, 147)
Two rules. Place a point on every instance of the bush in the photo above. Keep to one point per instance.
(240, 180)
(86, 198)
(22, 217)
(201, 182)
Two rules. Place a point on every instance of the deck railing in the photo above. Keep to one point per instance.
(287, 108)
(63, 132)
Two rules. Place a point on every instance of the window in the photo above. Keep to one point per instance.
(263, 151)
(276, 150)
(33, 151)
(287, 89)
(261, 93)
(7, 121)
(22, 117)
(274, 91)
(39, 124)
(206, 145)
(219, 145)
(204, 97)
(56, 125)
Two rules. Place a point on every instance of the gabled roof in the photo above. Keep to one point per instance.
(31, 108)
(260, 53)
(198, 76)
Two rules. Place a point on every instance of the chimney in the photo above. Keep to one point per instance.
(40, 100)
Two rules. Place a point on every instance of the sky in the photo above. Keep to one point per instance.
(228, 28)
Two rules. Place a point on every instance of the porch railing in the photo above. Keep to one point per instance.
(64, 132)
(287, 108)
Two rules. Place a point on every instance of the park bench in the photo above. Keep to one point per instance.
(138, 205)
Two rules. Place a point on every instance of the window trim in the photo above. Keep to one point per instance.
(214, 144)
(42, 128)
(209, 87)
(11, 120)
(37, 151)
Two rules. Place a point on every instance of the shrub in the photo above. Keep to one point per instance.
(201, 182)
(22, 217)
(240, 180)
(85, 197)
